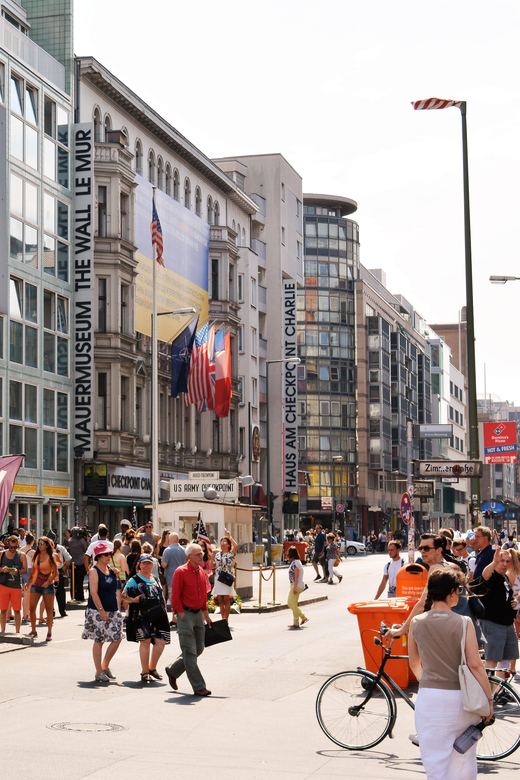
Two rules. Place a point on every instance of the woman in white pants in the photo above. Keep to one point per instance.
(435, 655)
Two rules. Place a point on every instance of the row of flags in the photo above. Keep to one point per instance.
(200, 359)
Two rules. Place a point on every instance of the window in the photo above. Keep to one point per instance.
(176, 184)
(139, 412)
(241, 288)
(215, 279)
(102, 211)
(160, 173)
(187, 193)
(56, 237)
(125, 386)
(298, 250)
(254, 391)
(98, 124)
(56, 333)
(24, 127)
(124, 313)
(198, 202)
(210, 211)
(253, 342)
(102, 305)
(216, 436)
(241, 339)
(283, 236)
(124, 226)
(138, 157)
(55, 431)
(253, 291)
(298, 208)
(23, 240)
(23, 421)
(151, 167)
(282, 191)
(2, 91)
(23, 309)
(56, 142)
(102, 417)
(241, 392)
(168, 180)
(217, 213)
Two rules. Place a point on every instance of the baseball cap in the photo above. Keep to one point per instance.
(145, 558)
(126, 522)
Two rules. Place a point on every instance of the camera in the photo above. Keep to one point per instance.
(79, 532)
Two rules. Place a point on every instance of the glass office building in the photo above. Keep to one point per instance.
(327, 374)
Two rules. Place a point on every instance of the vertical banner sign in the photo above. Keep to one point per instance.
(290, 388)
(500, 442)
(83, 288)
(4, 249)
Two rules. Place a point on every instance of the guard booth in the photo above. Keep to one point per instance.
(182, 516)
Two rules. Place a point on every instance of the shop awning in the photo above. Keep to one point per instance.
(122, 502)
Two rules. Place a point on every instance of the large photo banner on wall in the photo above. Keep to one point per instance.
(183, 281)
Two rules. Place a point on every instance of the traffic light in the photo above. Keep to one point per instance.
(487, 515)
(290, 503)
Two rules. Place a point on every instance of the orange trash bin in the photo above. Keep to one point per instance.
(300, 546)
(411, 581)
(370, 615)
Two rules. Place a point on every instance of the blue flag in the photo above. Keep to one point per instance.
(181, 356)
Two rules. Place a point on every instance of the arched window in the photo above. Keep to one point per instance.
(138, 156)
(243, 237)
(187, 193)
(160, 173)
(176, 185)
(238, 234)
(217, 213)
(151, 166)
(107, 124)
(98, 124)
(198, 202)
(168, 179)
(234, 226)
(124, 132)
(211, 213)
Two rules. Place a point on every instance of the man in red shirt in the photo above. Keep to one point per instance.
(189, 602)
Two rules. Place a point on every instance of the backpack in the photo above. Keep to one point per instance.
(387, 566)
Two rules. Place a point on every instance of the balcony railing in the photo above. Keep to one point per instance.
(259, 247)
(33, 55)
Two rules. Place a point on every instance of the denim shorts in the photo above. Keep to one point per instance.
(502, 643)
(42, 591)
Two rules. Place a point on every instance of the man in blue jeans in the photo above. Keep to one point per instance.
(189, 602)
(320, 540)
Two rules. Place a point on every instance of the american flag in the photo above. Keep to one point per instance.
(201, 531)
(421, 105)
(199, 384)
(157, 239)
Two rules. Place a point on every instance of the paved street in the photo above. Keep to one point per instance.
(259, 722)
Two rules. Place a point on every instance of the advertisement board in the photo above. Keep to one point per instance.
(290, 388)
(500, 444)
(183, 281)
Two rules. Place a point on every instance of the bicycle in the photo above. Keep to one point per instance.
(358, 709)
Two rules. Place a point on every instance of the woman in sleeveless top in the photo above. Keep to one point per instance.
(44, 572)
(435, 656)
(103, 621)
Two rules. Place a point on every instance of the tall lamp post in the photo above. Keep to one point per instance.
(294, 361)
(154, 469)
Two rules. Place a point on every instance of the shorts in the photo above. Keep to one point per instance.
(317, 558)
(502, 642)
(12, 595)
(42, 591)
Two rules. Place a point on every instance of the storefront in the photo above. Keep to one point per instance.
(114, 493)
(38, 509)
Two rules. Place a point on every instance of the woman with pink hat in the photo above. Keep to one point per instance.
(103, 621)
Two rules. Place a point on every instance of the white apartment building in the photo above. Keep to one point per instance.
(135, 148)
(274, 254)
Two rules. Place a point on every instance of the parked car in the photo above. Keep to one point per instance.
(353, 548)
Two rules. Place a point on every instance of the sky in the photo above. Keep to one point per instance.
(330, 85)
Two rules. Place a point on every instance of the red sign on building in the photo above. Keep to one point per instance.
(500, 442)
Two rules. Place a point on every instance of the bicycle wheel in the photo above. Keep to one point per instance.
(342, 724)
(503, 737)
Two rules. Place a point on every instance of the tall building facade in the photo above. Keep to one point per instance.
(135, 149)
(269, 264)
(36, 267)
(327, 375)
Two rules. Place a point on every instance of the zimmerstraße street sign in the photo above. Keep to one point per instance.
(450, 468)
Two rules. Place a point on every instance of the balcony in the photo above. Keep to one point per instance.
(262, 347)
(33, 55)
(259, 217)
(262, 299)
(260, 248)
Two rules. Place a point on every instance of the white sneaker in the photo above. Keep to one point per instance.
(414, 739)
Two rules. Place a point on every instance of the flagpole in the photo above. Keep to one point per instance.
(154, 471)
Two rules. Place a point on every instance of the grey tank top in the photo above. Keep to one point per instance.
(438, 636)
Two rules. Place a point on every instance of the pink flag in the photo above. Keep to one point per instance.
(421, 105)
(8, 470)
(223, 390)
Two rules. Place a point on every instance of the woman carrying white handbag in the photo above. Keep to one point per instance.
(436, 658)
